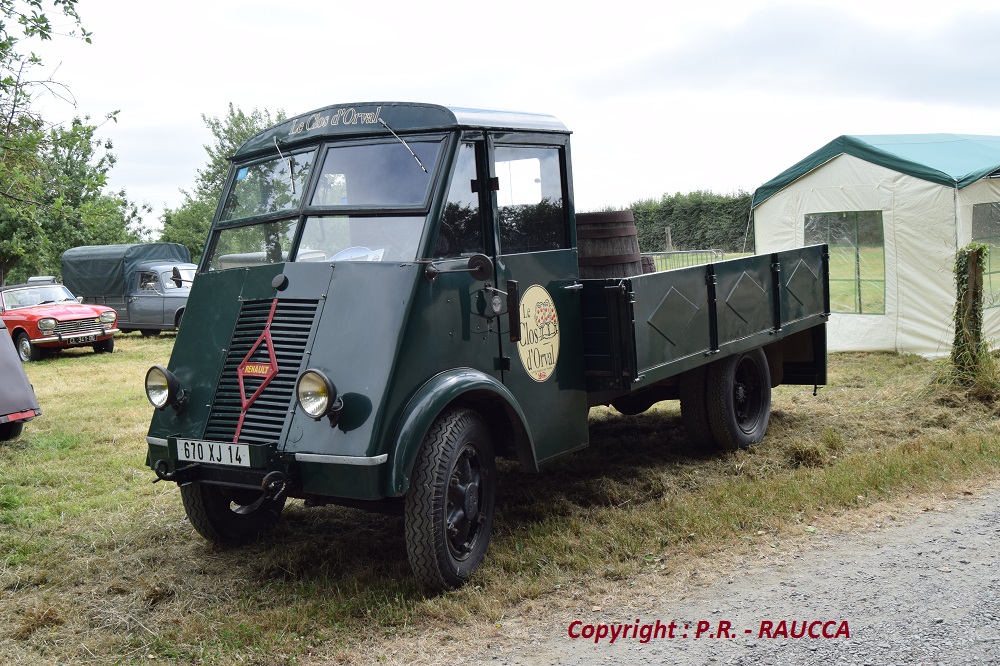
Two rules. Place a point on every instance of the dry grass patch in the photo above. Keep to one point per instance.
(98, 564)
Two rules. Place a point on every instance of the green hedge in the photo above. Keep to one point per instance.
(697, 220)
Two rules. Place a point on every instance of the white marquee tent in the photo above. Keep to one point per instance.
(895, 209)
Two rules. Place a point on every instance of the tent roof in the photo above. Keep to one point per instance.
(953, 160)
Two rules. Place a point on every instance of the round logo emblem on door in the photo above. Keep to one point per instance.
(539, 344)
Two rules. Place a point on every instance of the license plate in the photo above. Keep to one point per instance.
(84, 338)
(213, 453)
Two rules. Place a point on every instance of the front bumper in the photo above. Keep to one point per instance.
(306, 474)
(76, 338)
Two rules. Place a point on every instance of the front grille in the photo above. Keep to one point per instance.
(76, 326)
(265, 417)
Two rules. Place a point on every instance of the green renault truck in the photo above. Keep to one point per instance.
(391, 297)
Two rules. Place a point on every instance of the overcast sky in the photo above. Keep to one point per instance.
(661, 97)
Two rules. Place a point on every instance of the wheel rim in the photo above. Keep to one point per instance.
(24, 348)
(748, 394)
(466, 495)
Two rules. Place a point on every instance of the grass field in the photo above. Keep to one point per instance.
(99, 565)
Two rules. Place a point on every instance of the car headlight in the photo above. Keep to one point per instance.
(47, 325)
(163, 388)
(108, 317)
(318, 396)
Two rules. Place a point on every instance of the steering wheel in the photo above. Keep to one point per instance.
(358, 252)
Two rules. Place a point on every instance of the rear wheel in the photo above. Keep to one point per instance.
(739, 399)
(450, 503)
(694, 410)
(105, 346)
(10, 430)
(25, 350)
(229, 516)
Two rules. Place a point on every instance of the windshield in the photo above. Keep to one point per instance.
(384, 183)
(268, 187)
(187, 275)
(324, 238)
(28, 296)
(254, 245)
(380, 174)
(349, 238)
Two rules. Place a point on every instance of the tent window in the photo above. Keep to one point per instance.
(986, 230)
(857, 258)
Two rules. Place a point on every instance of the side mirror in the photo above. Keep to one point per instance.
(175, 277)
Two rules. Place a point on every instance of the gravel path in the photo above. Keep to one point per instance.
(922, 590)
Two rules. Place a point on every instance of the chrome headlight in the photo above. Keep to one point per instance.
(318, 396)
(315, 393)
(47, 325)
(163, 388)
(108, 317)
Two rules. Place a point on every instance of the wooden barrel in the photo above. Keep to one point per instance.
(607, 245)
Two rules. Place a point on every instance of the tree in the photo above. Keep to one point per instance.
(52, 177)
(190, 222)
(65, 203)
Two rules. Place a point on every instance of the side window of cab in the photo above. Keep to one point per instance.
(532, 214)
(461, 230)
(148, 281)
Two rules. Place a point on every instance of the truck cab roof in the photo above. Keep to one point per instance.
(367, 118)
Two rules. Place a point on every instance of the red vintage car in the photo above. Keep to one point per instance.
(46, 317)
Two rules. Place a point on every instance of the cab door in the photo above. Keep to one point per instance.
(145, 300)
(540, 339)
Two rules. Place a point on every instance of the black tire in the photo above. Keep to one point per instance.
(10, 430)
(25, 350)
(450, 503)
(105, 346)
(227, 516)
(739, 399)
(149, 332)
(694, 410)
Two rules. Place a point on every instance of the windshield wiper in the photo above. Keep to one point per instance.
(291, 167)
(406, 145)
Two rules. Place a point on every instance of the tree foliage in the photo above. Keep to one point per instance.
(53, 178)
(190, 222)
(697, 220)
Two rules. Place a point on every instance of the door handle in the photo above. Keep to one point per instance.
(574, 287)
(513, 311)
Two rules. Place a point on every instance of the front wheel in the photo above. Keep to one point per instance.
(739, 399)
(25, 350)
(450, 503)
(105, 346)
(229, 516)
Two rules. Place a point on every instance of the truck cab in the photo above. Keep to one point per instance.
(389, 299)
(153, 300)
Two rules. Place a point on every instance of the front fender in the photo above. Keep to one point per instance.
(429, 401)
